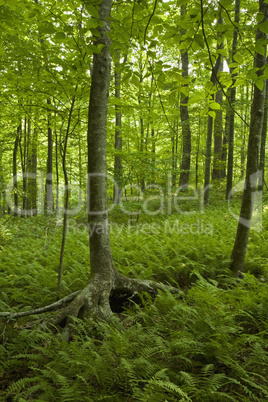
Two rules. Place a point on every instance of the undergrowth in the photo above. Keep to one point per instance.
(210, 346)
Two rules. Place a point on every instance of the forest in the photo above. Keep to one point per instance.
(133, 200)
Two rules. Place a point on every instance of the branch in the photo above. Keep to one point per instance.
(151, 16)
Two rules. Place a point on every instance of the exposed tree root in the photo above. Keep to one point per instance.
(51, 307)
(98, 300)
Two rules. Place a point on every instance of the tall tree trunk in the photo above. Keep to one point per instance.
(66, 192)
(142, 140)
(15, 178)
(208, 159)
(263, 140)
(244, 101)
(24, 151)
(57, 171)
(105, 282)
(218, 130)
(2, 197)
(231, 114)
(214, 78)
(197, 152)
(174, 151)
(252, 173)
(49, 203)
(118, 136)
(32, 172)
(225, 145)
(185, 122)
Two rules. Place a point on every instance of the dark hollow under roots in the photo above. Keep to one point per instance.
(121, 300)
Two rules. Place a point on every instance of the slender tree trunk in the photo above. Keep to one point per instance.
(185, 122)
(218, 130)
(263, 140)
(197, 152)
(24, 150)
(142, 142)
(49, 203)
(243, 133)
(2, 198)
(57, 170)
(153, 155)
(32, 172)
(66, 194)
(225, 147)
(252, 173)
(15, 179)
(214, 78)
(208, 160)
(229, 183)
(118, 136)
(105, 282)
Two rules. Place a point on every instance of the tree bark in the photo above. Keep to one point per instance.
(15, 179)
(230, 135)
(32, 167)
(252, 173)
(218, 130)
(118, 136)
(208, 160)
(185, 122)
(214, 79)
(49, 204)
(66, 193)
(263, 140)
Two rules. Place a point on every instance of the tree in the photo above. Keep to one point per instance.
(231, 112)
(49, 202)
(105, 282)
(252, 173)
(214, 79)
(118, 177)
(185, 122)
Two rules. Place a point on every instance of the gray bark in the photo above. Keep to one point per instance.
(252, 173)
(118, 136)
(230, 135)
(185, 122)
(49, 204)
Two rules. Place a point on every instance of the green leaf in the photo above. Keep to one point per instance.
(199, 40)
(260, 84)
(95, 49)
(238, 58)
(92, 23)
(260, 17)
(204, 112)
(259, 48)
(212, 114)
(60, 36)
(12, 4)
(47, 29)
(215, 105)
(264, 27)
(226, 3)
(92, 10)
(181, 2)
(195, 99)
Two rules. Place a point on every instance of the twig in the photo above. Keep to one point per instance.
(151, 16)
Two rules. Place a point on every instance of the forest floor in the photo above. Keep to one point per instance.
(211, 345)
